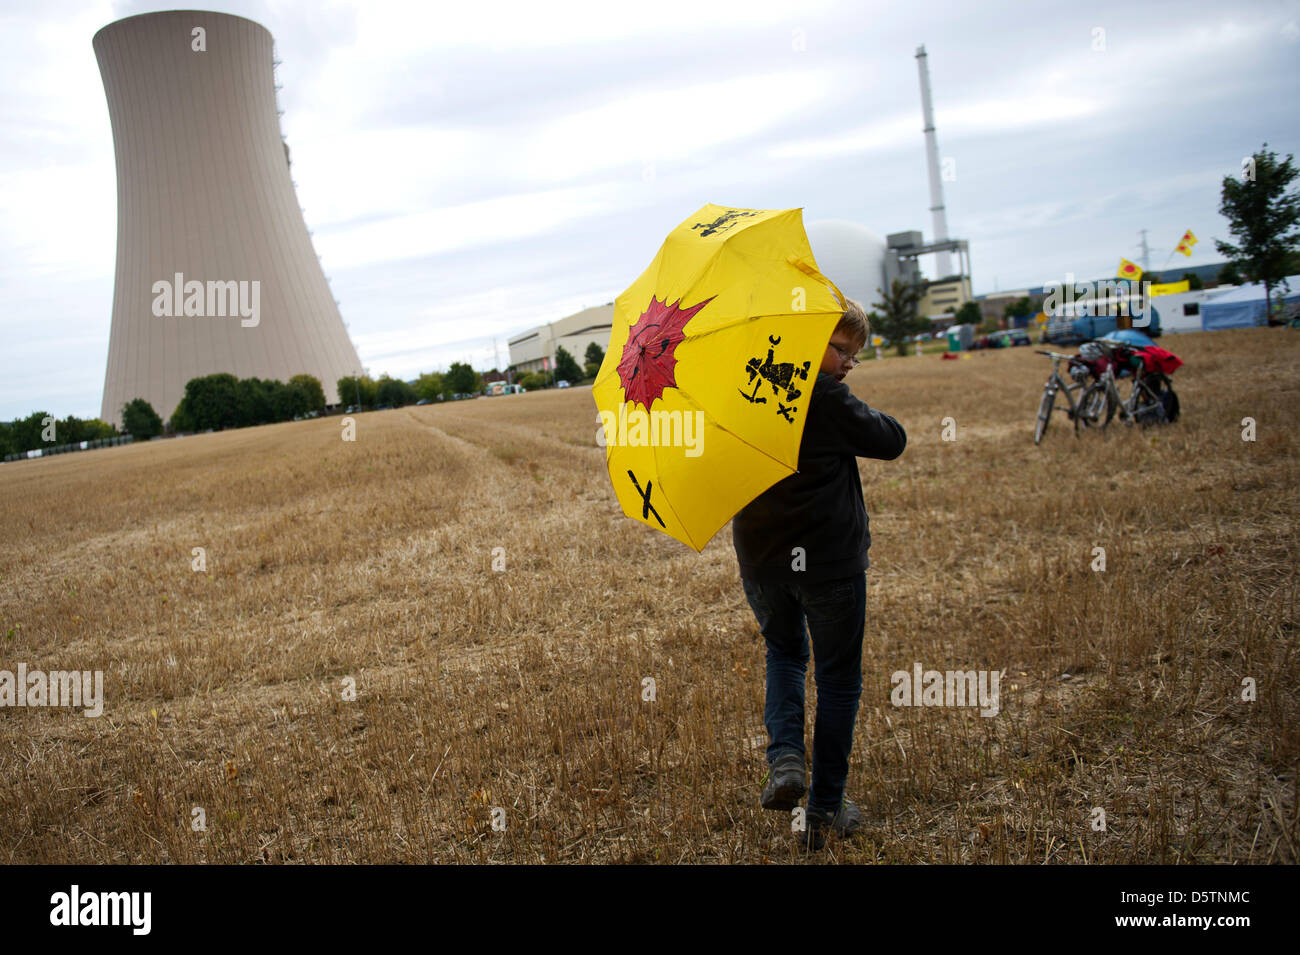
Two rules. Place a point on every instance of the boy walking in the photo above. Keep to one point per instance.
(802, 549)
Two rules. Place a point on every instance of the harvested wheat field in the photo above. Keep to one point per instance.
(499, 715)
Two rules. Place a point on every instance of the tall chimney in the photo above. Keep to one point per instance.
(944, 264)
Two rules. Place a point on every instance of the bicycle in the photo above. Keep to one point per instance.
(1079, 412)
(1145, 404)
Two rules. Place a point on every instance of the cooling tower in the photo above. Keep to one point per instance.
(215, 269)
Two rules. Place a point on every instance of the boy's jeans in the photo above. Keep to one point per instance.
(836, 611)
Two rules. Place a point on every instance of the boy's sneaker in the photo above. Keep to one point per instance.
(786, 783)
(846, 822)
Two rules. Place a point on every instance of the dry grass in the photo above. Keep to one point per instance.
(522, 689)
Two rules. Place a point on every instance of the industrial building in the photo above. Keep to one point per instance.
(534, 350)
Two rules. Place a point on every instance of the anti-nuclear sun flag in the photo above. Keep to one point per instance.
(1129, 270)
(1186, 242)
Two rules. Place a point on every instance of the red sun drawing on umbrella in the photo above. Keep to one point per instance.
(649, 360)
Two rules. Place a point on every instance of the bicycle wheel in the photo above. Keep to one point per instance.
(1095, 407)
(1147, 407)
(1044, 413)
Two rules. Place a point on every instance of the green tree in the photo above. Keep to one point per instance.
(27, 432)
(593, 359)
(252, 402)
(139, 419)
(182, 420)
(463, 379)
(288, 401)
(1229, 275)
(1265, 218)
(1020, 308)
(72, 430)
(566, 367)
(395, 392)
(430, 386)
(350, 386)
(97, 428)
(968, 314)
(1193, 281)
(531, 381)
(897, 317)
(310, 386)
(210, 402)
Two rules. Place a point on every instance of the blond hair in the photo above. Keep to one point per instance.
(854, 322)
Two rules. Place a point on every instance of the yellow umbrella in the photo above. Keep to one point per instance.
(711, 361)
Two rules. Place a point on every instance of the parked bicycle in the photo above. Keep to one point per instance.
(1081, 412)
(1151, 398)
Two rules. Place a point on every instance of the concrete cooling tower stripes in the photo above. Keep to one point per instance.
(215, 268)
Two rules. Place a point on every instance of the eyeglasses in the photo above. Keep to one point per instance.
(844, 355)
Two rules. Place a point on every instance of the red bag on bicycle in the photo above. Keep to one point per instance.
(1156, 358)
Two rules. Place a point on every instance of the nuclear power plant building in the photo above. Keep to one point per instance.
(215, 268)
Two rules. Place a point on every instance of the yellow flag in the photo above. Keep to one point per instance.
(1170, 288)
(1128, 270)
(1184, 248)
(1189, 239)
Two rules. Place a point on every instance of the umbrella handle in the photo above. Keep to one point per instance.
(807, 269)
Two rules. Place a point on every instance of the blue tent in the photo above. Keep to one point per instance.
(1243, 307)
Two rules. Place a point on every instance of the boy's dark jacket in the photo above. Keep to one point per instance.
(820, 507)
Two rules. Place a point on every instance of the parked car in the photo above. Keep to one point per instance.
(424, 401)
(561, 384)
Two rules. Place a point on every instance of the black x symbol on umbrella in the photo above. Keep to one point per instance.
(646, 507)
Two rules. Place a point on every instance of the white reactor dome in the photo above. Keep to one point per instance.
(851, 256)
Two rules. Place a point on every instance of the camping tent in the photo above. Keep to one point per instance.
(1244, 306)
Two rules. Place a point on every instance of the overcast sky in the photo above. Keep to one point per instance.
(472, 169)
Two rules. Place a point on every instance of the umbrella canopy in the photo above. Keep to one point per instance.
(1129, 336)
(712, 358)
